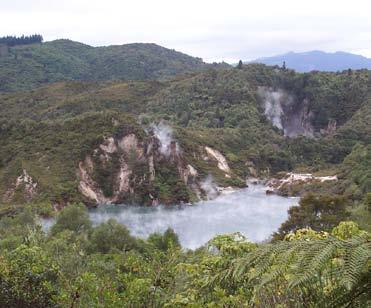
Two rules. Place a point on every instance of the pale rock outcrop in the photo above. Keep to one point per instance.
(226, 190)
(151, 166)
(130, 142)
(121, 184)
(192, 171)
(30, 187)
(108, 146)
(291, 179)
(87, 186)
(188, 173)
(124, 178)
(222, 162)
(330, 129)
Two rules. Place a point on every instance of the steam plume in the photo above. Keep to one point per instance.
(164, 134)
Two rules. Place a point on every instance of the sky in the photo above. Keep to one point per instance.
(213, 30)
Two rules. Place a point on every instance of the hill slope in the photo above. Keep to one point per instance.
(69, 131)
(27, 66)
(318, 61)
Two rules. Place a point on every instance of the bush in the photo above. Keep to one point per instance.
(165, 241)
(111, 236)
(28, 278)
(74, 218)
(321, 212)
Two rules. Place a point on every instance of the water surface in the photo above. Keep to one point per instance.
(249, 211)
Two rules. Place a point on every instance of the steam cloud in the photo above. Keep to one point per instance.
(209, 187)
(273, 102)
(292, 117)
(249, 211)
(164, 134)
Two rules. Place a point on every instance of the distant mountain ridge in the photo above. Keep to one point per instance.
(24, 67)
(318, 61)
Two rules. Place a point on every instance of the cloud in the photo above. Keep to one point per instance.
(213, 30)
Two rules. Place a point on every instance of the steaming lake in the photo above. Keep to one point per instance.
(249, 211)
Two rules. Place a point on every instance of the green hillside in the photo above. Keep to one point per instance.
(24, 67)
(47, 131)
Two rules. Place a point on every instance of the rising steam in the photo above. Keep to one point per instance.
(209, 187)
(164, 134)
(249, 211)
(273, 104)
(293, 117)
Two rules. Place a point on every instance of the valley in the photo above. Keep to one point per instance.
(138, 176)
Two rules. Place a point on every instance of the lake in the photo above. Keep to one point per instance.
(249, 211)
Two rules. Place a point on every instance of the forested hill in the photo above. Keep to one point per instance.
(245, 114)
(24, 67)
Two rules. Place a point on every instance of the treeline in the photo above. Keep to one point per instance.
(22, 40)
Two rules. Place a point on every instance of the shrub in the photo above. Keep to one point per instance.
(74, 218)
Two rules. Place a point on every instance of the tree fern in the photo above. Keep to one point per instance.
(355, 260)
(329, 271)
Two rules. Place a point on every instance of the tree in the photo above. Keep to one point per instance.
(239, 66)
(111, 236)
(74, 218)
(321, 212)
(22, 40)
(165, 241)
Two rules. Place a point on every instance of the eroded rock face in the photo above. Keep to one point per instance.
(105, 176)
(125, 169)
(87, 186)
(24, 182)
(222, 162)
(121, 169)
(330, 129)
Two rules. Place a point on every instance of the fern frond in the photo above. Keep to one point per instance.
(318, 258)
(355, 260)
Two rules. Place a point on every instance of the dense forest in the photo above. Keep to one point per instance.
(22, 40)
(76, 120)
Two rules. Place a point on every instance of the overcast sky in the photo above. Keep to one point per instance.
(213, 30)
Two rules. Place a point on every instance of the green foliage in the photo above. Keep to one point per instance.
(164, 242)
(234, 244)
(104, 266)
(306, 234)
(28, 278)
(346, 230)
(320, 212)
(356, 171)
(52, 128)
(74, 218)
(168, 187)
(29, 66)
(23, 40)
(322, 272)
(111, 236)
